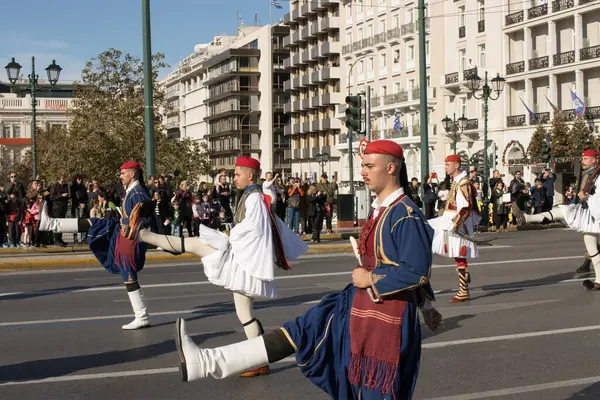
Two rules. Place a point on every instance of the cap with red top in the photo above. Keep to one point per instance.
(384, 147)
(248, 162)
(131, 165)
(589, 153)
(453, 158)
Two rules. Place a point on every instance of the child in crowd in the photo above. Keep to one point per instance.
(28, 221)
(176, 220)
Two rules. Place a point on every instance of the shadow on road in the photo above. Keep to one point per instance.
(49, 292)
(590, 392)
(55, 367)
(448, 324)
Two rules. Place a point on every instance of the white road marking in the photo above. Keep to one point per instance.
(437, 345)
(299, 276)
(522, 389)
(106, 375)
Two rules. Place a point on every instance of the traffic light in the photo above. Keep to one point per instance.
(354, 113)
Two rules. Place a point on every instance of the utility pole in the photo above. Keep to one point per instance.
(33, 79)
(368, 114)
(423, 94)
(148, 102)
(350, 162)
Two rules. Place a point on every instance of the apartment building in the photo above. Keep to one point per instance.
(543, 50)
(549, 50)
(314, 86)
(381, 55)
(230, 94)
(15, 115)
(473, 35)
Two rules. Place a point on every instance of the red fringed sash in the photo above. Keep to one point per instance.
(276, 236)
(375, 328)
(125, 252)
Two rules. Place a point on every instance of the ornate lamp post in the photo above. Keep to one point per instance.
(454, 128)
(13, 70)
(487, 93)
(322, 159)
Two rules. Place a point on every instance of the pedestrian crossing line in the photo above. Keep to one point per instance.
(522, 389)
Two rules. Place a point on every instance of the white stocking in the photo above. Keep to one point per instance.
(555, 215)
(173, 243)
(591, 245)
(244, 310)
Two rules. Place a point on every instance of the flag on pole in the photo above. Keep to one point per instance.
(276, 4)
(532, 115)
(397, 124)
(554, 108)
(578, 104)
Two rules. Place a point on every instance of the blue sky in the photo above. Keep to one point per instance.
(73, 31)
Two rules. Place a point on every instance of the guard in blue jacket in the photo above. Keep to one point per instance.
(113, 240)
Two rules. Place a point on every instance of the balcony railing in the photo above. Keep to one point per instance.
(560, 5)
(569, 115)
(582, 2)
(346, 49)
(469, 73)
(513, 18)
(481, 26)
(563, 58)
(393, 33)
(380, 38)
(589, 53)
(393, 133)
(539, 118)
(462, 32)
(592, 112)
(538, 63)
(515, 68)
(472, 124)
(367, 42)
(408, 28)
(537, 11)
(515, 120)
(451, 78)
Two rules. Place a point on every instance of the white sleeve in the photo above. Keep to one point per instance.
(594, 201)
(252, 240)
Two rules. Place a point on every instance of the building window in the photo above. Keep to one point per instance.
(16, 131)
(6, 131)
(461, 12)
(361, 34)
(370, 30)
(384, 90)
(397, 87)
(427, 49)
(482, 14)
(396, 56)
(349, 10)
(409, 16)
(382, 26)
(428, 81)
(396, 21)
(361, 67)
(370, 64)
(349, 38)
(482, 55)
(410, 53)
(462, 59)
(463, 107)
(359, 5)
(382, 61)
(411, 84)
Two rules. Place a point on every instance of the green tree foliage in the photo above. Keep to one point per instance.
(580, 138)
(559, 139)
(107, 126)
(534, 150)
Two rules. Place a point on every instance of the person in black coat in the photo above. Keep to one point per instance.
(538, 197)
(315, 211)
(59, 195)
(79, 203)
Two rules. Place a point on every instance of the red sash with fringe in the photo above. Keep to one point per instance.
(375, 328)
(279, 251)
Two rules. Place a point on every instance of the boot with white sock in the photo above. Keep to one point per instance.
(139, 310)
(57, 225)
(221, 362)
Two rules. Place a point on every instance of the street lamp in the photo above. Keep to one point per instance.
(487, 94)
(13, 70)
(322, 159)
(454, 128)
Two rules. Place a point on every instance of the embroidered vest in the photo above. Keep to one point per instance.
(240, 212)
(454, 188)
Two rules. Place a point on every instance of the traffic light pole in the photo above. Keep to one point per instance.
(350, 162)
(148, 106)
(423, 94)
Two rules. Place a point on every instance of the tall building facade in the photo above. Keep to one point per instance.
(229, 93)
(544, 50)
(315, 85)
(380, 54)
(15, 115)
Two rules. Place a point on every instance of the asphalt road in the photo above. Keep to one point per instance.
(529, 332)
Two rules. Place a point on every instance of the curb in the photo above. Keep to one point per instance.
(83, 261)
(530, 227)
